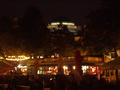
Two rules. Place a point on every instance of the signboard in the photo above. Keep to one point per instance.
(92, 59)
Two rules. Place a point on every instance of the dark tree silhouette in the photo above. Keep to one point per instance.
(61, 42)
(104, 27)
(34, 31)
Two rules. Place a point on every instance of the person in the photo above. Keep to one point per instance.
(60, 82)
(11, 82)
(73, 81)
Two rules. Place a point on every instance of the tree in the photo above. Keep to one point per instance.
(104, 27)
(60, 42)
(34, 31)
(23, 36)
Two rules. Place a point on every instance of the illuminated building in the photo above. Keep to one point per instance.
(21, 69)
(111, 55)
(110, 71)
(59, 24)
(50, 65)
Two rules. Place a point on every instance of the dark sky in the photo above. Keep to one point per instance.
(77, 10)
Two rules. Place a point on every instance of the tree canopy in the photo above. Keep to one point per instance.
(29, 36)
(104, 27)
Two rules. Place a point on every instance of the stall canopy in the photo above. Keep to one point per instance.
(5, 66)
(115, 64)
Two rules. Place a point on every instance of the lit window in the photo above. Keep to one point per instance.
(55, 23)
(67, 23)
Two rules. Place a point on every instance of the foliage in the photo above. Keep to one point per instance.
(29, 36)
(104, 28)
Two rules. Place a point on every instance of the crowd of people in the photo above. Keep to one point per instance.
(58, 82)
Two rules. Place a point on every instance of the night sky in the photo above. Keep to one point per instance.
(77, 10)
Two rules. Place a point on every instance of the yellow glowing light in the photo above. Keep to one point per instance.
(52, 56)
(93, 69)
(38, 72)
(67, 23)
(41, 57)
(20, 66)
(57, 55)
(17, 58)
(74, 67)
(32, 57)
(1, 57)
(55, 23)
(65, 67)
(50, 78)
(52, 26)
(38, 56)
(72, 26)
(77, 38)
(49, 68)
(84, 67)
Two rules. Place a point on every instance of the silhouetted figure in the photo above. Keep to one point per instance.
(60, 82)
